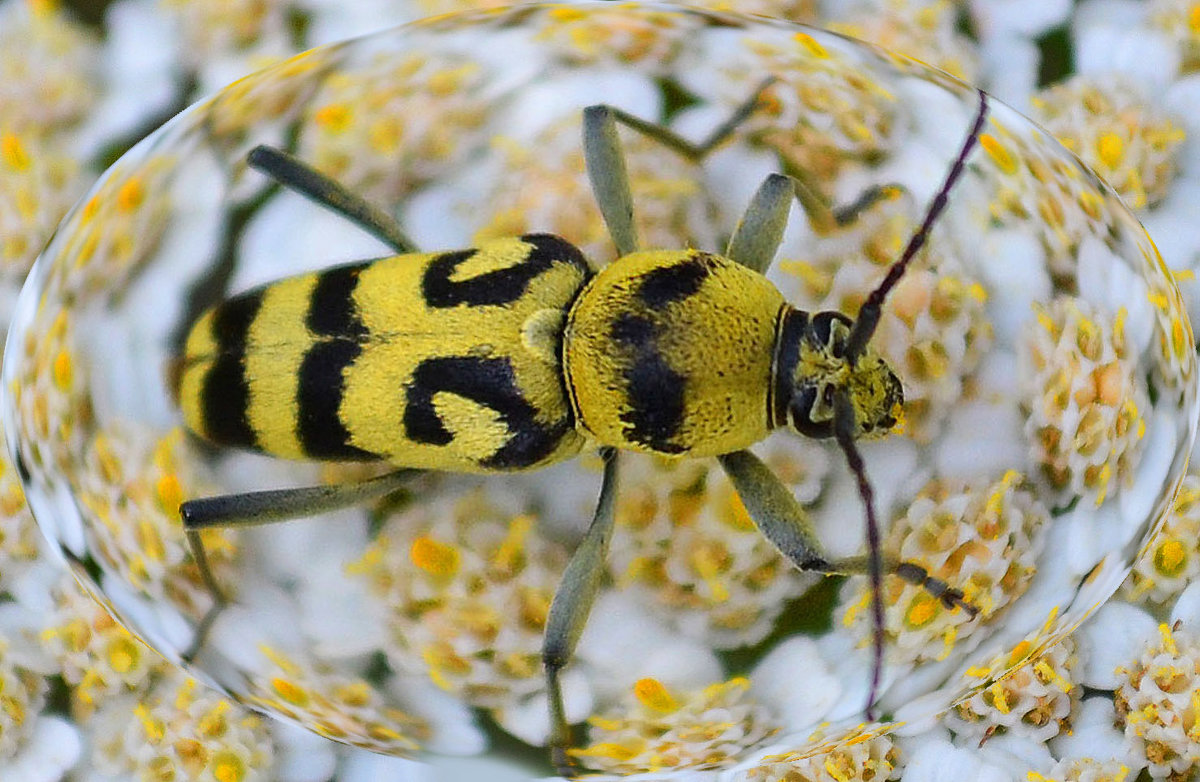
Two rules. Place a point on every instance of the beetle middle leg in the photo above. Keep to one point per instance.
(571, 605)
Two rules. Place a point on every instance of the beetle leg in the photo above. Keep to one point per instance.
(293, 173)
(605, 161)
(825, 217)
(569, 610)
(757, 235)
(266, 507)
(782, 521)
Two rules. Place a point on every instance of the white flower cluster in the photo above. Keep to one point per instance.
(454, 584)
(1083, 400)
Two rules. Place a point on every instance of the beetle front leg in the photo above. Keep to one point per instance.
(570, 607)
(782, 521)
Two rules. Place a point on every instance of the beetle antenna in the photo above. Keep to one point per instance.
(872, 308)
(843, 430)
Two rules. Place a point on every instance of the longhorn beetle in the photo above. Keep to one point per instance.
(515, 354)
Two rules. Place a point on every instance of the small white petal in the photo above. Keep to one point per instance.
(1016, 754)
(362, 766)
(1022, 17)
(981, 439)
(302, 756)
(623, 643)
(546, 102)
(1093, 735)
(51, 750)
(1144, 54)
(941, 761)
(1187, 608)
(1112, 638)
(1015, 276)
(466, 769)
(1149, 480)
(291, 234)
(795, 683)
(139, 72)
(1011, 64)
(455, 731)
(1182, 100)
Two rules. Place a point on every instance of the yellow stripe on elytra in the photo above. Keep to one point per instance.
(198, 352)
(277, 343)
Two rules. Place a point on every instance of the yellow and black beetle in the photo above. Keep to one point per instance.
(515, 354)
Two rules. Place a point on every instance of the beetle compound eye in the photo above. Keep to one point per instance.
(414, 410)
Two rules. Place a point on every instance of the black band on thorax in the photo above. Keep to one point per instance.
(790, 327)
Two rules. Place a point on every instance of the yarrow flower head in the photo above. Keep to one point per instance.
(820, 115)
(133, 486)
(1035, 700)
(1085, 770)
(934, 330)
(466, 585)
(48, 68)
(1082, 397)
(22, 697)
(1159, 701)
(1180, 20)
(686, 546)
(219, 28)
(655, 729)
(1116, 130)
(180, 730)
(1172, 560)
(390, 126)
(985, 541)
(541, 186)
(925, 31)
(862, 754)
(96, 656)
(39, 182)
(340, 707)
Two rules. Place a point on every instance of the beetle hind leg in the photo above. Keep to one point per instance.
(267, 507)
(293, 173)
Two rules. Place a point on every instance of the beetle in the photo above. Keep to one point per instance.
(515, 354)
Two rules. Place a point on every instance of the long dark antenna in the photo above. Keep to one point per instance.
(872, 308)
(843, 430)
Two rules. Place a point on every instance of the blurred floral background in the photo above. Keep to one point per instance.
(1118, 82)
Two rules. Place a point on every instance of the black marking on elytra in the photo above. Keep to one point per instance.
(676, 282)
(491, 382)
(225, 398)
(331, 308)
(332, 313)
(500, 286)
(320, 385)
